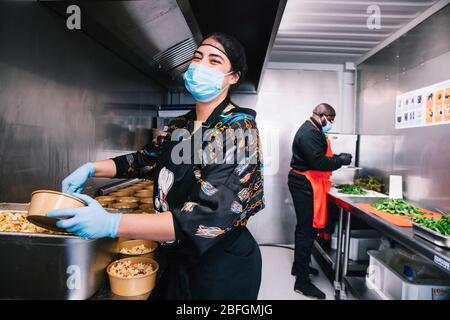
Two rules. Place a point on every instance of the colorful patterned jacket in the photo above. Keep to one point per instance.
(221, 187)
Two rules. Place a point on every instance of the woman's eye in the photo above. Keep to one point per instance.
(196, 58)
(215, 61)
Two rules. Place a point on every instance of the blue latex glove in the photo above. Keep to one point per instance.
(89, 222)
(76, 180)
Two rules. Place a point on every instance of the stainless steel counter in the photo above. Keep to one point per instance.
(404, 236)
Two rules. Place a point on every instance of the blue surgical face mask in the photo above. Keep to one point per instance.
(326, 128)
(204, 83)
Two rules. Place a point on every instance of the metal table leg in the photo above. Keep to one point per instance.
(347, 243)
(346, 253)
(337, 270)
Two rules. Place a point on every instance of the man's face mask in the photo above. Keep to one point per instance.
(327, 127)
(204, 83)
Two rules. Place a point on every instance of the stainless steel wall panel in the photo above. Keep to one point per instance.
(57, 90)
(421, 155)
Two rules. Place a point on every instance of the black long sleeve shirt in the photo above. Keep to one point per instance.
(223, 196)
(309, 149)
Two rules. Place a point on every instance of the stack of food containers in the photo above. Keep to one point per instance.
(137, 198)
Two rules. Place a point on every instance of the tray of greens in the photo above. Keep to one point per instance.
(350, 189)
(353, 191)
(434, 230)
(370, 183)
(397, 207)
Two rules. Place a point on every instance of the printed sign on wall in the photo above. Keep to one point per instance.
(423, 107)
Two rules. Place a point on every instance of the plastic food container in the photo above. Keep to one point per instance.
(129, 244)
(42, 201)
(345, 174)
(424, 281)
(134, 286)
(361, 241)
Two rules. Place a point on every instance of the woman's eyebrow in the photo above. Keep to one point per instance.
(198, 52)
(215, 55)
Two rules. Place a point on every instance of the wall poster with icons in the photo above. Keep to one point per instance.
(423, 107)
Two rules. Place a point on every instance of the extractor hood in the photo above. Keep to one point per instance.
(158, 37)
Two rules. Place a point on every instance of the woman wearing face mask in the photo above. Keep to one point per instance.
(207, 183)
(309, 183)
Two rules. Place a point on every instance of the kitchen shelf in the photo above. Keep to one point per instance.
(330, 257)
(358, 288)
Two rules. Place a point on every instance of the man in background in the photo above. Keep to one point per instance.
(309, 182)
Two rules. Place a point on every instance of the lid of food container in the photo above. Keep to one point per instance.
(46, 223)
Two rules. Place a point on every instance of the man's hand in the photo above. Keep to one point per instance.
(346, 158)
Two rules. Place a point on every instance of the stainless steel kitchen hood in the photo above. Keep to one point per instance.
(158, 37)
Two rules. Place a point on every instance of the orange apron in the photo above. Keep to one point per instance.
(321, 185)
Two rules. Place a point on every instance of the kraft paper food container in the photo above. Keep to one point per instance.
(146, 184)
(120, 240)
(124, 207)
(129, 287)
(127, 199)
(146, 200)
(122, 193)
(152, 245)
(148, 208)
(105, 201)
(105, 198)
(42, 201)
(144, 194)
(132, 188)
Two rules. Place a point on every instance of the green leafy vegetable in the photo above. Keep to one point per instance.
(350, 189)
(370, 180)
(439, 225)
(370, 183)
(398, 207)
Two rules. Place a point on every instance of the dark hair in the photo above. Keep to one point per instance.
(234, 50)
(323, 108)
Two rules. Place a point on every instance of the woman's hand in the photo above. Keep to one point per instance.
(76, 180)
(89, 222)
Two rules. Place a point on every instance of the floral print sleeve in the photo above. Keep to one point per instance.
(141, 164)
(226, 194)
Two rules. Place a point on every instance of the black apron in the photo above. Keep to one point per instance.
(229, 270)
